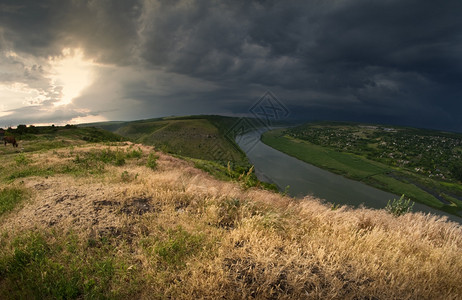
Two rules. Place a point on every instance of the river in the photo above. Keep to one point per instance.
(304, 179)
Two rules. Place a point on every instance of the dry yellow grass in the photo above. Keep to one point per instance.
(187, 235)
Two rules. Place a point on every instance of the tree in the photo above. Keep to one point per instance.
(21, 129)
(32, 129)
(456, 171)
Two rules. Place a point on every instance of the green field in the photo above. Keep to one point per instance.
(388, 178)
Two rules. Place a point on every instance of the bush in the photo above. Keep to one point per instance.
(135, 153)
(456, 171)
(152, 161)
(400, 206)
(248, 179)
(127, 177)
(119, 158)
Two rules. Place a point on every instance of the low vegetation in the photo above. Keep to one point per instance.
(398, 207)
(41, 138)
(10, 197)
(152, 161)
(122, 220)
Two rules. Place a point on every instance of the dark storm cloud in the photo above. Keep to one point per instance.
(392, 61)
(106, 30)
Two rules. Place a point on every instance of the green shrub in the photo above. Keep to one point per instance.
(135, 153)
(398, 207)
(119, 158)
(127, 177)
(106, 156)
(456, 171)
(248, 178)
(152, 161)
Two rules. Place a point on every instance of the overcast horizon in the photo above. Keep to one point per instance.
(389, 62)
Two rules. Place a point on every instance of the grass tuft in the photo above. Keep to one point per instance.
(399, 207)
(177, 246)
(10, 198)
(21, 159)
(50, 265)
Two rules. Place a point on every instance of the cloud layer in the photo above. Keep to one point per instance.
(389, 61)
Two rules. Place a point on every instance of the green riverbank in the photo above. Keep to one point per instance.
(360, 168)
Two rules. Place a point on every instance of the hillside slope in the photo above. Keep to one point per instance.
(203, 137)
(123, 221)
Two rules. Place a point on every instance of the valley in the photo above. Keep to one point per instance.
(382, 157)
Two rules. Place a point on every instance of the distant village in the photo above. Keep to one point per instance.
(431, 153)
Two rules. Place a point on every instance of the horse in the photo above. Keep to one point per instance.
(11, 140)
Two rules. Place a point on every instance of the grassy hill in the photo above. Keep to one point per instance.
(122, 220)
(205, 140)
(414, 162)
(201, 137)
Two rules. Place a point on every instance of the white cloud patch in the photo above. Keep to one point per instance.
(35, 89)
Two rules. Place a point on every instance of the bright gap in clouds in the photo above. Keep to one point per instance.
(72, 73)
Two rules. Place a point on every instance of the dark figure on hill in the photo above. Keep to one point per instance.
(11, 140)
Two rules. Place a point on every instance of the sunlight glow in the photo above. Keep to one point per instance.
(72, 73)
(15, 95)
(88, 119)
(4, 113)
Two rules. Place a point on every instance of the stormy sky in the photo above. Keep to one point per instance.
(74, 61)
